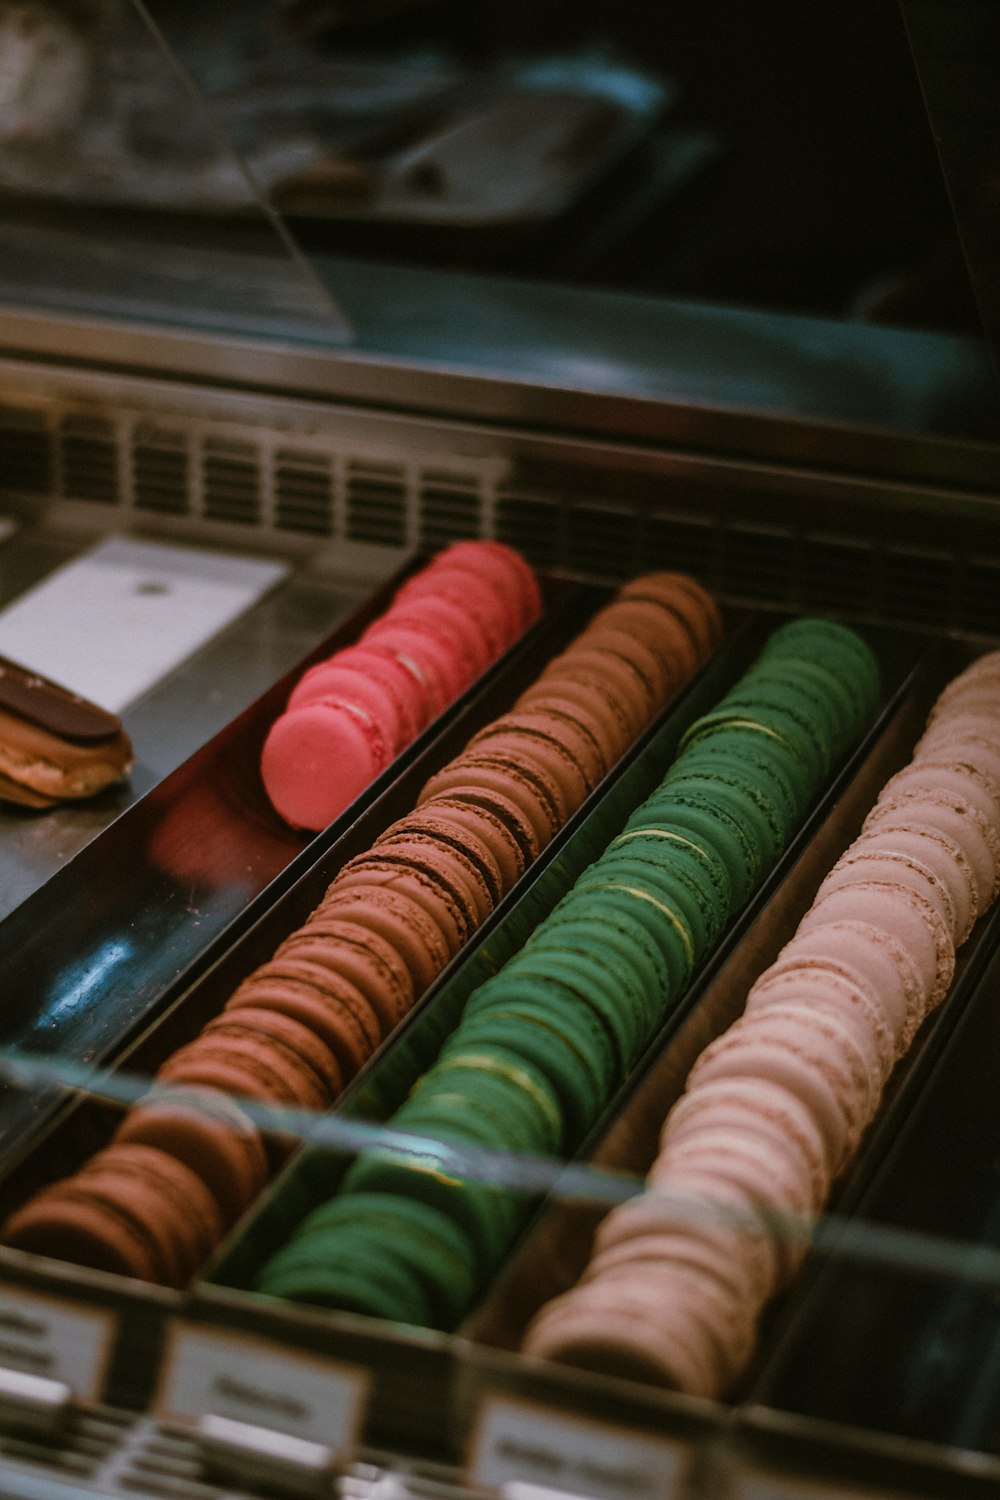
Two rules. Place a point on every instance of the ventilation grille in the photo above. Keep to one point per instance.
(25, 451)
(246, 477)
(161, 470)
(303, 492)
(376, 503)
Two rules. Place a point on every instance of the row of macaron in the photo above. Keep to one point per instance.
(351, 714)
(303, 1023)
(543, 1046)
(775, 1109)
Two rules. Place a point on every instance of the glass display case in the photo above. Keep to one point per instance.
(291, 301)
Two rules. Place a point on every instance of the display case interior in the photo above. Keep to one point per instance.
(723, 304)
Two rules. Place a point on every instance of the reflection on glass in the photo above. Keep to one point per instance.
(956, 51)
(117, 184)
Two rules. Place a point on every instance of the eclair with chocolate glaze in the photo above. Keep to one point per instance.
(54, 745)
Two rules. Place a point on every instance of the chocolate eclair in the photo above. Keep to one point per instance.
(54, 745)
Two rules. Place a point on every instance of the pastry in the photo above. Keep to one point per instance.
(804, 1066)
(54, 745)
(348, 717)
(303, 1023)
(544, 1044)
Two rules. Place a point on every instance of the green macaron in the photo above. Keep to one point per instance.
(785, 777)
(838, 647)
(745, 790)
(543, 1039)
(585, 925)
(617, 999)
(712, 818)
(577, 1027)
(513, 1107)
(487, 1214)
(423, 1256)
(700, 867)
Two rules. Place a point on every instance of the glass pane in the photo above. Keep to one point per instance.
(119, 190)
(956, 51)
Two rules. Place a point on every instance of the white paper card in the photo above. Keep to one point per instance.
(521, 1442)
(112, 622)
(226, 1374)
(56, 1340)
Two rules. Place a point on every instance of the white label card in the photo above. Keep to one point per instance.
(218, 1372)
(519, 1441)
(112, 622)
(56, 1340)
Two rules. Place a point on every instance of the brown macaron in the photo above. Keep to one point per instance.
(618, 643)
(499, 808)
(436, 881)
(482, 873)
(250, 1059)
(357, 953)
(508, 776)
(536, 740)
(333, 1008)
(467, 820)
(685, 598)
(587, 709)
(398, 920)
(661, 631)
(132, 1209)
(211, 1135)
(604, 678)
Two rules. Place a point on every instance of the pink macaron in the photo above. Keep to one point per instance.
(428, 654)
(496, 616)
(318, 758)
(505, 569)
(345, 687)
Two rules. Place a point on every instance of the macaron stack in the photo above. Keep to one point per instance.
(543, 1046)
(776, 1107)
(349, 716)
(301, 1025)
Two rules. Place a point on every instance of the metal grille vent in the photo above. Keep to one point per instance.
(837, 573)
(376, 503)
(303, 492)
(161, 470)
(920, 586)
(450, 507)
(244, 473)
(163, 1463)
(688, 541)
(89, 456)
(231, 482)
(530, 521)
(25, 451)
(980, 598)
(601, 533)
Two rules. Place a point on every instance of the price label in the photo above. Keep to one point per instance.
(56, 1340)
(521, 1442)
(222, 1373)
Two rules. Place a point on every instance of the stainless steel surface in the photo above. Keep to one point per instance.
(702, 379)
(172, 721)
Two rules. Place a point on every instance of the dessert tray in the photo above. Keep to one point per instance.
(240, 1389)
